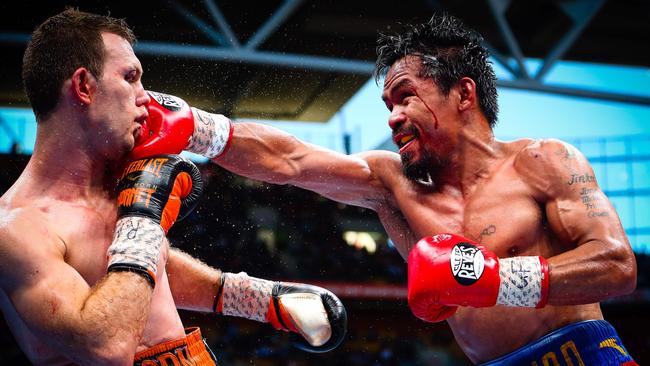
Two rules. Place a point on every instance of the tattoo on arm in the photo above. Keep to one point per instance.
(581, 178)
(592, 203)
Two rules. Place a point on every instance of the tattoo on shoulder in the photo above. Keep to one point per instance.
(565, 153)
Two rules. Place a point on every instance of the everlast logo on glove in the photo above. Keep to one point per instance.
(147, 185)
(141, 188)
(151, 166)
(467, 263)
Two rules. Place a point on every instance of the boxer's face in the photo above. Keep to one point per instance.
(422, 118)
(120, 100)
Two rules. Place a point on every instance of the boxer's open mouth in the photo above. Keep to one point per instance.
(404, 139)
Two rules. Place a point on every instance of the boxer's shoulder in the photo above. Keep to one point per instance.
(534, 152)
(22, 219)
(385, 165)
(27, 240)
(546, 164)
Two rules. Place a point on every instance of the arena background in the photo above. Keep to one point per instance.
(575, 70)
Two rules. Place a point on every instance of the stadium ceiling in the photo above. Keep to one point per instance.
(303, 59)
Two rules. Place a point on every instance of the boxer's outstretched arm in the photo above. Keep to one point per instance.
(98, 325)
(600, 262)
(265, 153)
(194, 284)
(313, 312)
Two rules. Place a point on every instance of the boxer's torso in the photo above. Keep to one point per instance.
(501, 212)
(85, 230)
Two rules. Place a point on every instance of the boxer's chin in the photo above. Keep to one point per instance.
(421, 169)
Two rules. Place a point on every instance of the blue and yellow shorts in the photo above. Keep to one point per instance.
(587, 343)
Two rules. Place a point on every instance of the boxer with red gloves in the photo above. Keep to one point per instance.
(447, 269)
(437, 188)
(523, 200)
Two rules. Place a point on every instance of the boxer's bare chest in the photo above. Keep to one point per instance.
(500, 212)
(87, 233)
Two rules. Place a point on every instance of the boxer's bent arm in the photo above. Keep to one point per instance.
(193, 283)
(600, 263)
(99, 325)
(265, 153)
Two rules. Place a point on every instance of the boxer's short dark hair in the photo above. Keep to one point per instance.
(449, 51)
(59, 46)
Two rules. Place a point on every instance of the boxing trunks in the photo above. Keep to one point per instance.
(190, 350)
(586, 343)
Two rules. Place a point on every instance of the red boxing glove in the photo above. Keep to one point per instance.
(174, 126)
(167, 130)
(432, 312)
(447, 269)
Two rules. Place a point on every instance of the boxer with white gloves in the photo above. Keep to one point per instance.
(75, 290)
(311, 311)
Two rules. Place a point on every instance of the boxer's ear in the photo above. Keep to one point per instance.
(84, 85)
(467, 93)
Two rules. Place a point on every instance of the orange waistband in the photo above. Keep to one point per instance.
(190, 350)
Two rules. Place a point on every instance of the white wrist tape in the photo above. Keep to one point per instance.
(246, 297)
(211, 135)
(136, 244)
(521, 281)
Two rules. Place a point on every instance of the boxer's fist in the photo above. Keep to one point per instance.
(152, 193)
(168, 128)
(431, 312)
(174, 126)
(313, 312)
(161, 188)
(447, 269)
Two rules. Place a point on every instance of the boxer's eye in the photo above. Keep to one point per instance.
(131, 76)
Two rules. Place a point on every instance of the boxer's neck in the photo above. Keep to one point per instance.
(475, 152)
(63, 161)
